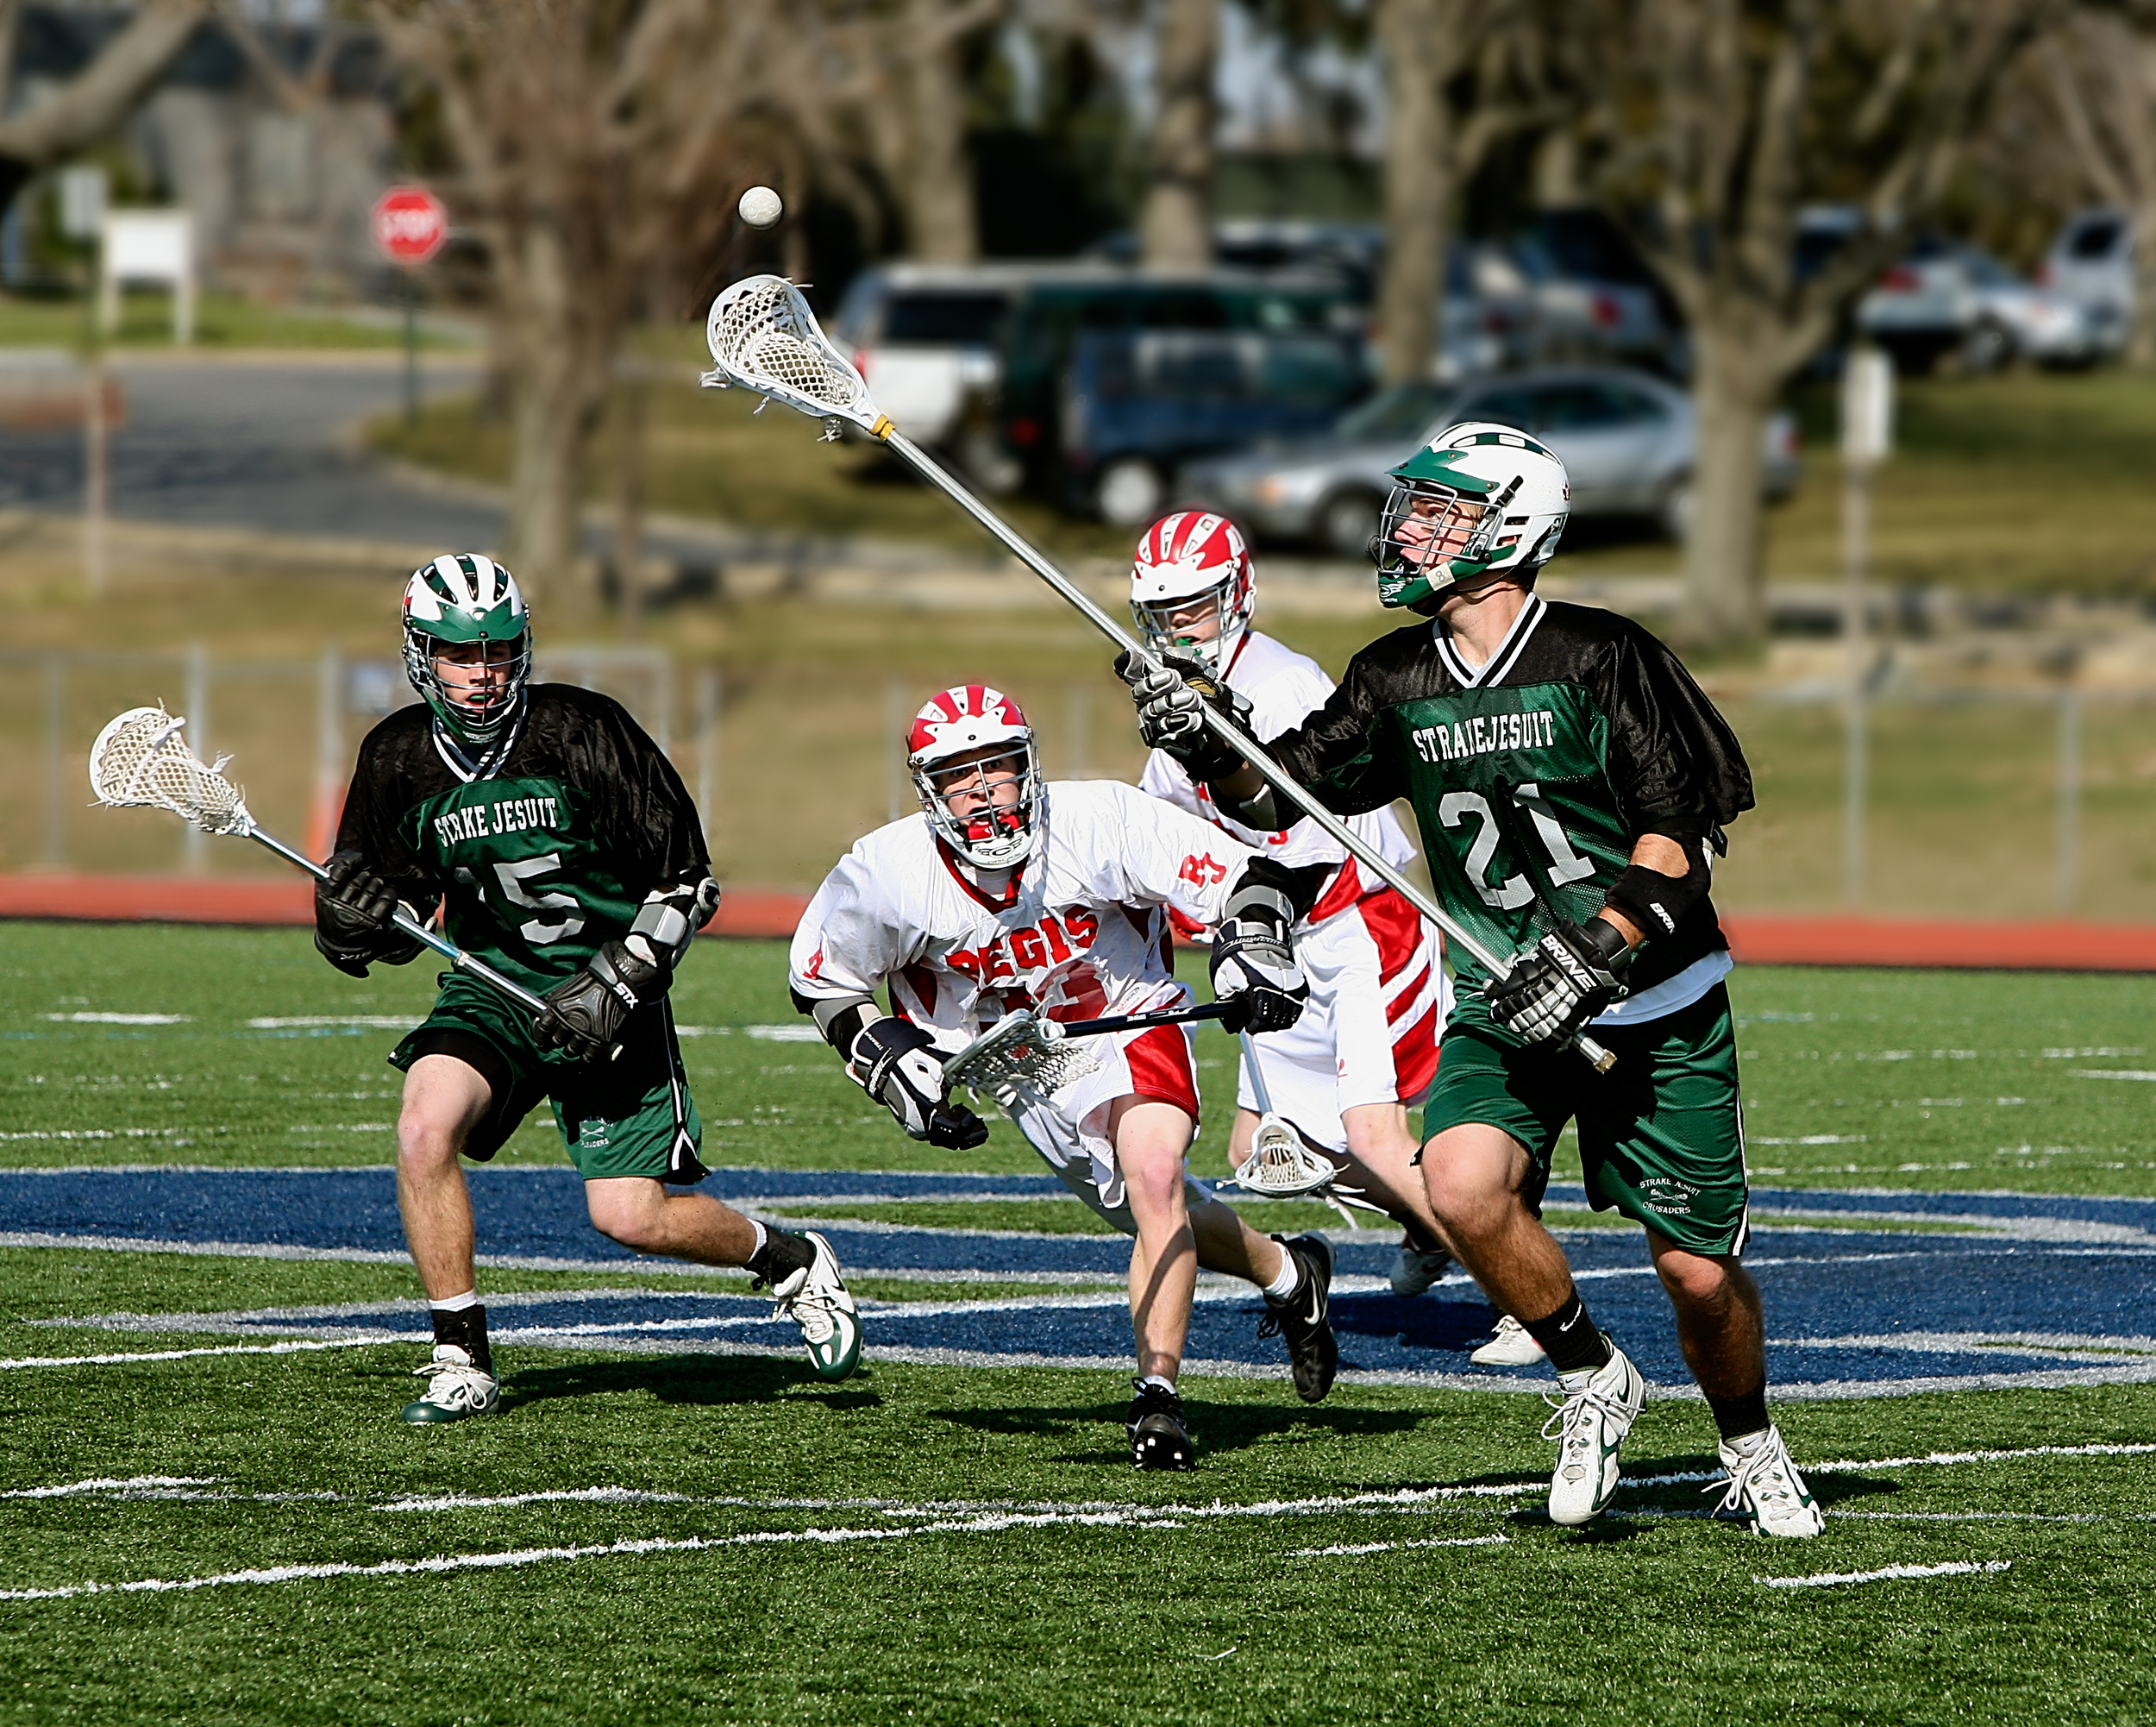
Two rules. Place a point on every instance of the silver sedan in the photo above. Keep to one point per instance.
(1625, 437)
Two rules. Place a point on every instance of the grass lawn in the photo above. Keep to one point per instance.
(641, 1535)
(222, 321)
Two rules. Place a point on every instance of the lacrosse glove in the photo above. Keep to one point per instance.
(894, 1060)
(585, 1016)
(1561, 983)
(1253, 962)
(1171, 699)
(352, 909)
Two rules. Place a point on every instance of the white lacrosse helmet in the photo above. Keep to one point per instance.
(1193, 557)
(969, 738)
(1480, 501)
(459, 599)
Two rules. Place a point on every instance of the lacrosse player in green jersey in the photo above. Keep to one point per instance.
(565, 852)
(1570, 781)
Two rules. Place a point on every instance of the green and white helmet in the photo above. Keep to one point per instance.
(459, 599)
(1480, 501)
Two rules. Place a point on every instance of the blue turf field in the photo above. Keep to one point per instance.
(1867, 1294)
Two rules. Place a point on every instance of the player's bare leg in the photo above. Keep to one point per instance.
(445, 1099)
(1151, 1138)
(1720, 1322)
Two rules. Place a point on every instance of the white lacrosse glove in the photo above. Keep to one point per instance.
(894, 1061)
(1253, 962)
(1172, 698)
(1557, 986)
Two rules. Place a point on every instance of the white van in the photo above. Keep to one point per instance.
(2092, 263)
(925, 336)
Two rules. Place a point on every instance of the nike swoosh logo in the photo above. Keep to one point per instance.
(1570, 1322)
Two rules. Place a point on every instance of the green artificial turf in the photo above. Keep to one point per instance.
(959, 1546)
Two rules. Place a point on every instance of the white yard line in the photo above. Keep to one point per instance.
(1344, 1552)
(294, 1348)
(1886, 1574)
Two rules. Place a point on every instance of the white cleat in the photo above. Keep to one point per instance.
(1764, 1486)
(1594, 1412)
(1417, 1270)
(815, 1298)
(457, 1390)
(1513, 1345)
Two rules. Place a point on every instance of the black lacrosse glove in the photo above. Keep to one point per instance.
(585, 1016)
(1253, 963)
(352, 909)
(1171, 699)
(894, 1060)
(1561, 983)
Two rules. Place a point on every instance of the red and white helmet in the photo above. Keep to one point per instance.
(974, 738)
(1186, 559)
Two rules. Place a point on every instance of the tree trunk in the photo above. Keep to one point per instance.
(937, 183)
(558, 392)
(1733, 393)
(1418, 190)
(2140, 344)
(1175, 229)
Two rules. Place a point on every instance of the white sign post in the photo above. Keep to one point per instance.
(155, 245)
(1867, 435)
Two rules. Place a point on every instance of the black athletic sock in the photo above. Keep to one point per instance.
(1737, 1416)
(781, 1255)
(466, 1328)
(1569, 1337)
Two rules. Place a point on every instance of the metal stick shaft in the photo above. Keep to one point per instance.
(1257, 1073)
(419, 932)
(1223, 728)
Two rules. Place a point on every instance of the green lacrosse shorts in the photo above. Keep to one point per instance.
(631, 1116)
(1661, 1135)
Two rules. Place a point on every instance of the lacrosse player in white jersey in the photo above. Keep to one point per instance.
(1005, 893)
(1365, 1050)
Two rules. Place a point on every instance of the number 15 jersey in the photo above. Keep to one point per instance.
(1533, 776)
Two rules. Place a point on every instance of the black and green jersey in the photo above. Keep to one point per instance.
(540, 852)
(1533, 776)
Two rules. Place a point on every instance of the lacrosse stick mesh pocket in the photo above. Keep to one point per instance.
(1280, 1165)
(1022, 1061)
(140, 761)
(764, 338)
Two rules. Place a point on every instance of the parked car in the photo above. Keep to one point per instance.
(2092, 263)
(1584, 293)
(1138, 403)
(924, 335)
(1626, 437)
(1949, 298)
(1017, 421)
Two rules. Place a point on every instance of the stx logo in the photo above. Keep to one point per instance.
(1021, 952)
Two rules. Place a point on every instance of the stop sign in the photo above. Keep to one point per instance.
(410, 225)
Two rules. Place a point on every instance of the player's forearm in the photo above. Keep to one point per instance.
(1244, 796)
(1666, 877)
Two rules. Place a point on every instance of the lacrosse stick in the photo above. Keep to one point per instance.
(1281, 1164)
(140, 761)
(1023, 1054)
(765, 339)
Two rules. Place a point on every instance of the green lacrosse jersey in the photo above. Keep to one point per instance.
(539, 850)
(1533, 776)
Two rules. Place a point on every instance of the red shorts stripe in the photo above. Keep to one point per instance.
(1406, 998)
(1159, 1061)
(1396, 928)
(1415, 1056)
(1342, 891)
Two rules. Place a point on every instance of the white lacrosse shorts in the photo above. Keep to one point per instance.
(1368, 1033)
(1069, 1129)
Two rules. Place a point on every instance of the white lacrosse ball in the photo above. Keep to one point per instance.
(760, 207)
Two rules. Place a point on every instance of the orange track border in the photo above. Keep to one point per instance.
(2055, 946)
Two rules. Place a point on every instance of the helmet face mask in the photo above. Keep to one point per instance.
(1480, 503)
(977, 771)
(1193, 587)
(468, 644)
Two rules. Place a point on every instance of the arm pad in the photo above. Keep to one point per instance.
(670, 917)
(1656, 903)
(840, 1018)
(1297, 890)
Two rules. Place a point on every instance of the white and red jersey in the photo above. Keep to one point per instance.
(1080, 932)
(1284, 689)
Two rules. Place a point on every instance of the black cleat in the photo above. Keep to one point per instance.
(1159, 1439)
(1313, 1354)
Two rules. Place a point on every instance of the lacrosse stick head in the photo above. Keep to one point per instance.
(1019, 1056)
(1281, 1165)
(141, 761)
(763, 337)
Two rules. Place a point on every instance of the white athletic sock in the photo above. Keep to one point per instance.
(456, 1304)
(763, 1236)
(1167, 1385)
(1288, 1280)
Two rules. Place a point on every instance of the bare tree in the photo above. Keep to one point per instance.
(1175, 225)
(908, 88)
(98, 98)
(590, 139)
(1456, 73)
(2099, 70)
(1717, 121)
